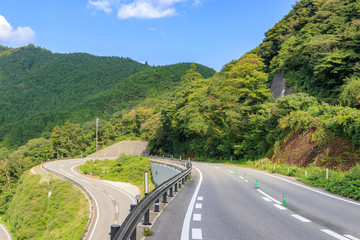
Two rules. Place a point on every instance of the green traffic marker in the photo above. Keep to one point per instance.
(284, 200)
(257, 184)
(244, 176)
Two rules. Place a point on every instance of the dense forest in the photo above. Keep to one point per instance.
(188, 109)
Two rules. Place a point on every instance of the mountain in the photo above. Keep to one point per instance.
(41, 89)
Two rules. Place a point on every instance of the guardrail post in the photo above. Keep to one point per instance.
(133, 235)
(176, 187)
(164, 197)
(171, 191)
(157, 206)
(113, 231)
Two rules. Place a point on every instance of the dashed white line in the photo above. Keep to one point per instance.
(230, 171)
(112, 197)
(198, 205)
(196, 233)
(242, 178)
(280, 207)
(266, 195)
(301, 218)
(334, 234)
(186, 225)
(246, 181)
(351, 237)
(117, 209)
(100, 188)
(266, 199)
(84, 181)
(197, 217)
(200, 198)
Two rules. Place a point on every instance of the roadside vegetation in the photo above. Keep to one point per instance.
(46, 209)
(127, 169)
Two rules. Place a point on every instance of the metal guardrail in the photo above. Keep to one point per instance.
(132, 220)
(83, 189)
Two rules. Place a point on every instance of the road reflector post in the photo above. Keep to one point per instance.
(113, 231)
(237, 172)
(157, 207)
(305, 174)
(244, 176)
(327, 174)
(262, 166)
(257, 184)
(284, 200)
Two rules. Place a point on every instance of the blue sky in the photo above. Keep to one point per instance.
(161, 32)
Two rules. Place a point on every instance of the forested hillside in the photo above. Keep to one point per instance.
(41, 89)
(317, 47)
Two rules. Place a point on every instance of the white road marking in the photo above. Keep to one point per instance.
(280, 207)
(334, 234)
(196, 233)
(84, 181)
(216, 167)
(230, 171)
(100, 188)
(7, 234)
(200, 198)
(61, 169)
(70, 175)
(246, 181)
(186, 224)
(242, 178)
(97, 213)
(266, 199)
(118, 189)
(266, 195)
(308, 188)
(117, 209)
(115, 222)
(351, 237)
(197, 217)
(301, 218)
(111, 197)
(198, 205)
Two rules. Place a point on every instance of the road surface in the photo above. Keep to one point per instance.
(4, 233)
(219, 202)
(111, 204)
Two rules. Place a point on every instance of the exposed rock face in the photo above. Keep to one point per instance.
(278, 87)
(133, 148)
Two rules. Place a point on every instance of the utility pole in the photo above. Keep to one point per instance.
(97, 134)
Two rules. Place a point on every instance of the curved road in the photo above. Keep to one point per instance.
(111, 204)
(220, 203)
(4, 233)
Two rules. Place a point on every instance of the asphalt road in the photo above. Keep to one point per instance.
(111, 204)
(4, 233)
(219, 203)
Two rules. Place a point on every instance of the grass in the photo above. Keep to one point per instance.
(34, 213)
(127, 169)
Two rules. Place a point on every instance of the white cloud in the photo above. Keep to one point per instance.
(103, 5)
(19, 36)
(143, 9)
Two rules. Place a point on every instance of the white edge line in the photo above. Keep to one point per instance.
(308, 188)
(186, 224)
(334, 234)
(118, 189)
(7, 234)
(280, 207)
(97, 213)
(266, 195)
